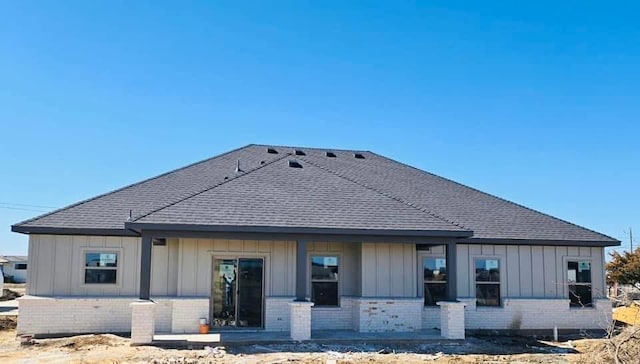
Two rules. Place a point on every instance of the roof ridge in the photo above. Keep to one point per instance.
(209, 188)
(494, 196)
(314, 148)
(386, 194)
(129, 185)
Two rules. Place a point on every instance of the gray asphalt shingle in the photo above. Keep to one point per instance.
(341, 192)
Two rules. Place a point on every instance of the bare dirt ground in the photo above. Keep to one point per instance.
(115, 349)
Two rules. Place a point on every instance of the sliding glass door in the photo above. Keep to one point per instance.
(237, 292)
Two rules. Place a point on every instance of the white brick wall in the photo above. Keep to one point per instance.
(62, 315)
(527, 314)
(186, 314)
(431, 317)
(43, 315)
(389, 314)
(536, 314)
(334, 318)
(277, 313)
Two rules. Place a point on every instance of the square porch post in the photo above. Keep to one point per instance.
(301, 271)
(452, 311)
(300, 325)
(451, 256)
(142, 311)
(145, 267)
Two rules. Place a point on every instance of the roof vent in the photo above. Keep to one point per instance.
(262, 162)
(358, 156)
(294, 164)
(300, 152)
(331, 154)
(238, 169)
(272, 151)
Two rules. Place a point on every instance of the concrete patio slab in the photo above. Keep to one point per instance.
(319, 336)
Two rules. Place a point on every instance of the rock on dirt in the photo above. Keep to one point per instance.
(8, 295)
(8, 322)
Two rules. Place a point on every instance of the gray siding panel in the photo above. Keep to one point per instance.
(537, 271)
(526, 285)
(386, 268)
(183, 266)
(550, 272)
(513, 271)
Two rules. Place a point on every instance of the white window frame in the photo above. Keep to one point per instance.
(499, 283)
(567, 292)
(118, 268)
(423, 281)
(338, 281)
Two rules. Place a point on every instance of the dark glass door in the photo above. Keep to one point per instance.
(250, 272)
(224, 285)
(237, 292)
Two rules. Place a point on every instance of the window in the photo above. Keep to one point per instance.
(20, 266)
(324, 280)
(579, 279)
(101, 268)
(435, 280)
(487, 282)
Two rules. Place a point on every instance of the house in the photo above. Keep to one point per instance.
(294, 240)
(14, 268)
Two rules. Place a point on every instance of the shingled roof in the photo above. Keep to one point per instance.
(305, 189)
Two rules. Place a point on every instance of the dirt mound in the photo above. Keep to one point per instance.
(622, 348)
(8, 295)
(8, 322)
(83, 342)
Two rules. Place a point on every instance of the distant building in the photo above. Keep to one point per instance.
(14, 266)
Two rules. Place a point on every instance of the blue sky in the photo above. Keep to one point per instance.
(537, 103)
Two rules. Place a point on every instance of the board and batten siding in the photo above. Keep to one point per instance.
(195, 258)
(526, 271)
(389, 270)
(56, 265)
(183, 267)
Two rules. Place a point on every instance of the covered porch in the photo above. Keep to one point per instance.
(369, 312)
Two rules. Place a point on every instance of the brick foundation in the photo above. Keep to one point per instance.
(277, 313)
(71, 315)
(76, 315)
(388, 314)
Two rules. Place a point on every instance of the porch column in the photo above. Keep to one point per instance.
(142, 311)
(301, 271)
(452, 271)
(300, 308)
(145, 268)
(452, 311)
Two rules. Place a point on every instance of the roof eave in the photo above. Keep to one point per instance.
(139, 227)
(541, 242)
(25, 229)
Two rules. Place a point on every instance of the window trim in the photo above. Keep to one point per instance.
(118, 268)
(422, 281)
(500, 283)
(565, 278)
(310, 279)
